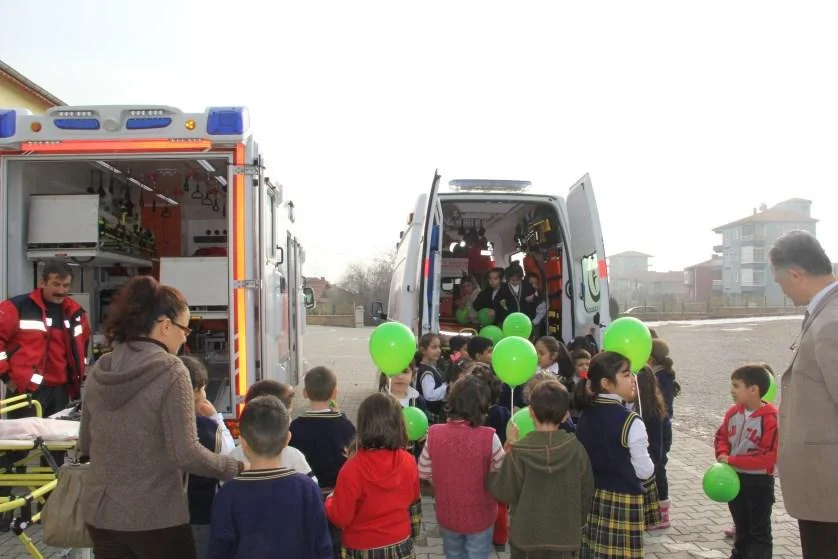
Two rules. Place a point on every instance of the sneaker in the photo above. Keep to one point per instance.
(730, 532)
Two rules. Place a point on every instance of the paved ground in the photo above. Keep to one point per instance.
(705, 354)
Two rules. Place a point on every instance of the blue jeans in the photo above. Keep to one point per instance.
(467, 546)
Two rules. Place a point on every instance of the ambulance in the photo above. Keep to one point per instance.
(460, 230)
(118, 191)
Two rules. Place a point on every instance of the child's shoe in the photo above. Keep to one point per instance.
(664, 523)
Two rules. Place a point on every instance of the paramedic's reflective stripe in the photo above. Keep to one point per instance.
(33, 325)
(67, 324)
(37, 379)
(77, 331)
(2, 355)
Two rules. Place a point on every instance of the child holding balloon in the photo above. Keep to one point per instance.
(747, 441)
(376, 501)
(617, 445)
(429, 382)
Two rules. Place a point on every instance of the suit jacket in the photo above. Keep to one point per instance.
(808, 457)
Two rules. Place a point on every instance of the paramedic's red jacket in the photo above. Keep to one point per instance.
(372, 497)
(749, 441)
(26, 334)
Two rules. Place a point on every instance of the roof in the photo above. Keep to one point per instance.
(28, 85)
(772, 215)
(630, 254)
(712, 263)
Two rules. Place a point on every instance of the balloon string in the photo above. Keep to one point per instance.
(389, 385)
(639, 405)
(511, 398)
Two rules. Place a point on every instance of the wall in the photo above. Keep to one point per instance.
(338, 320)
(13, 97)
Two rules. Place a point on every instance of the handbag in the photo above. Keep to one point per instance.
(61, 517)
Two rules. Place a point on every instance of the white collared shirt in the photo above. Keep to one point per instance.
(638, 443)
(810, 308)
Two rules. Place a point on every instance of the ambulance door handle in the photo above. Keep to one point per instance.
(280, 254)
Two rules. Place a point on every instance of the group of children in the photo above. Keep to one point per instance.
(587, 482)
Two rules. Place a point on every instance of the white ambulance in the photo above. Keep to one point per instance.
(465, 227)
(126, 190)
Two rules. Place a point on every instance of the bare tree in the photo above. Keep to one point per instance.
(370, 281)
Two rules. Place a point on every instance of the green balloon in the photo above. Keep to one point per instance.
(517, 324)
(514, 360)
(416, 422)
(721, 483)
(523, 420)
(492, 332)
(461, 315)
(484, 316)
(392, 347)
(771, 393)
(631, 338)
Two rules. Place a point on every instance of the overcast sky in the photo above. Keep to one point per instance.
(685, 117)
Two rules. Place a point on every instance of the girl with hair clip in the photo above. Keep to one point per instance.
(554, 359)
(617, 445)
(429, 380)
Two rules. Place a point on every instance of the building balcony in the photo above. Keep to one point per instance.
(753, 284)
(719, 249)
(752, 239)
(754, 261)
(718, 285)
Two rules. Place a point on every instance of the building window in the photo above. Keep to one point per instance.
(726, 237)
(747, 232)
(759, 277)
(759, 254)
(737, 233)
(736, 278)
(747, 253)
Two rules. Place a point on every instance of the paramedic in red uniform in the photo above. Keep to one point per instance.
(43, 343)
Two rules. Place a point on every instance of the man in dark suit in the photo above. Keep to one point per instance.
(809, 389)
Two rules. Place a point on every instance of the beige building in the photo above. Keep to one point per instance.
(18, 92)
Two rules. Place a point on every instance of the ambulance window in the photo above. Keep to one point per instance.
(591, 287)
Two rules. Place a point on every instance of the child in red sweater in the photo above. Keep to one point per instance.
(376, 501)
(747, 440)
(457, 458)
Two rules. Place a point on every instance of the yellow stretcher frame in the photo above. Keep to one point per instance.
(38, 480)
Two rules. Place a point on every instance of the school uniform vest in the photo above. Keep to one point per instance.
(460, 459)
(434, 407)
(603, 430)
(201, 490)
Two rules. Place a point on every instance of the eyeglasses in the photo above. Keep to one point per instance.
(185, 329)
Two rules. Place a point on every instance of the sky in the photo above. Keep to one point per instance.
(686, 115)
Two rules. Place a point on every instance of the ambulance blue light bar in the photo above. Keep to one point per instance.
(147, 123)
(8, 121)
(478, 185)
(77, 123)
(225, 121)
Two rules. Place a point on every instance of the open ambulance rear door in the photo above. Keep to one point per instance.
(431, 251)
(588, 265)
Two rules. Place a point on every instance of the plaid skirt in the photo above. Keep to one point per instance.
(401, 550)
(615, 527)
(651, 503)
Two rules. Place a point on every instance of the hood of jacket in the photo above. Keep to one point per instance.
(384, 469)
(547, 451)
(129, 368)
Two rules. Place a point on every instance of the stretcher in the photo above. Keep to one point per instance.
(22, 451)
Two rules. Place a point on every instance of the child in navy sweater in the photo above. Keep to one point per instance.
(268, 511)
(429, 380)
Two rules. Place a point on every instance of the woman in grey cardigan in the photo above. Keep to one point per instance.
(138, 429)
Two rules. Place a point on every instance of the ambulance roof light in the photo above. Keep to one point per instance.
(489, 185)
(8, 123)
(226, 121)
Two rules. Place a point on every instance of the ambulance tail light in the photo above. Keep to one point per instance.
(226, 121)
(8, 123)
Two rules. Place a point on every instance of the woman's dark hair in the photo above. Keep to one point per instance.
(485, 373)
(138, 305)
(381, 423)
(660, 356)
(604, 365)
(652, 405)
(469, 400)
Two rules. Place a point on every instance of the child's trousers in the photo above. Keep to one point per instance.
(751, 511)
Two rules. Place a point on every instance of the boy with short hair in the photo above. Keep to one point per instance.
(250, 515)
(480, 350)
(290, 458)
(322, 433)
(747, 441)
(547, 480)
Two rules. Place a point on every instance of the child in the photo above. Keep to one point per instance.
(581, 360)
(213, 435)
(321, 433)
(457, 459)
(250, 516)
(567, 424)
(747, 440)
(291, 458)
(554, 358)
(459, 348)
(661, 365)
(541, 304)
(653, 413)
(376, 501)
(494, 297)
(547, 479)
(497, 418)
(429, 382)
(617, 445)
(480, 350)
(401, 389)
